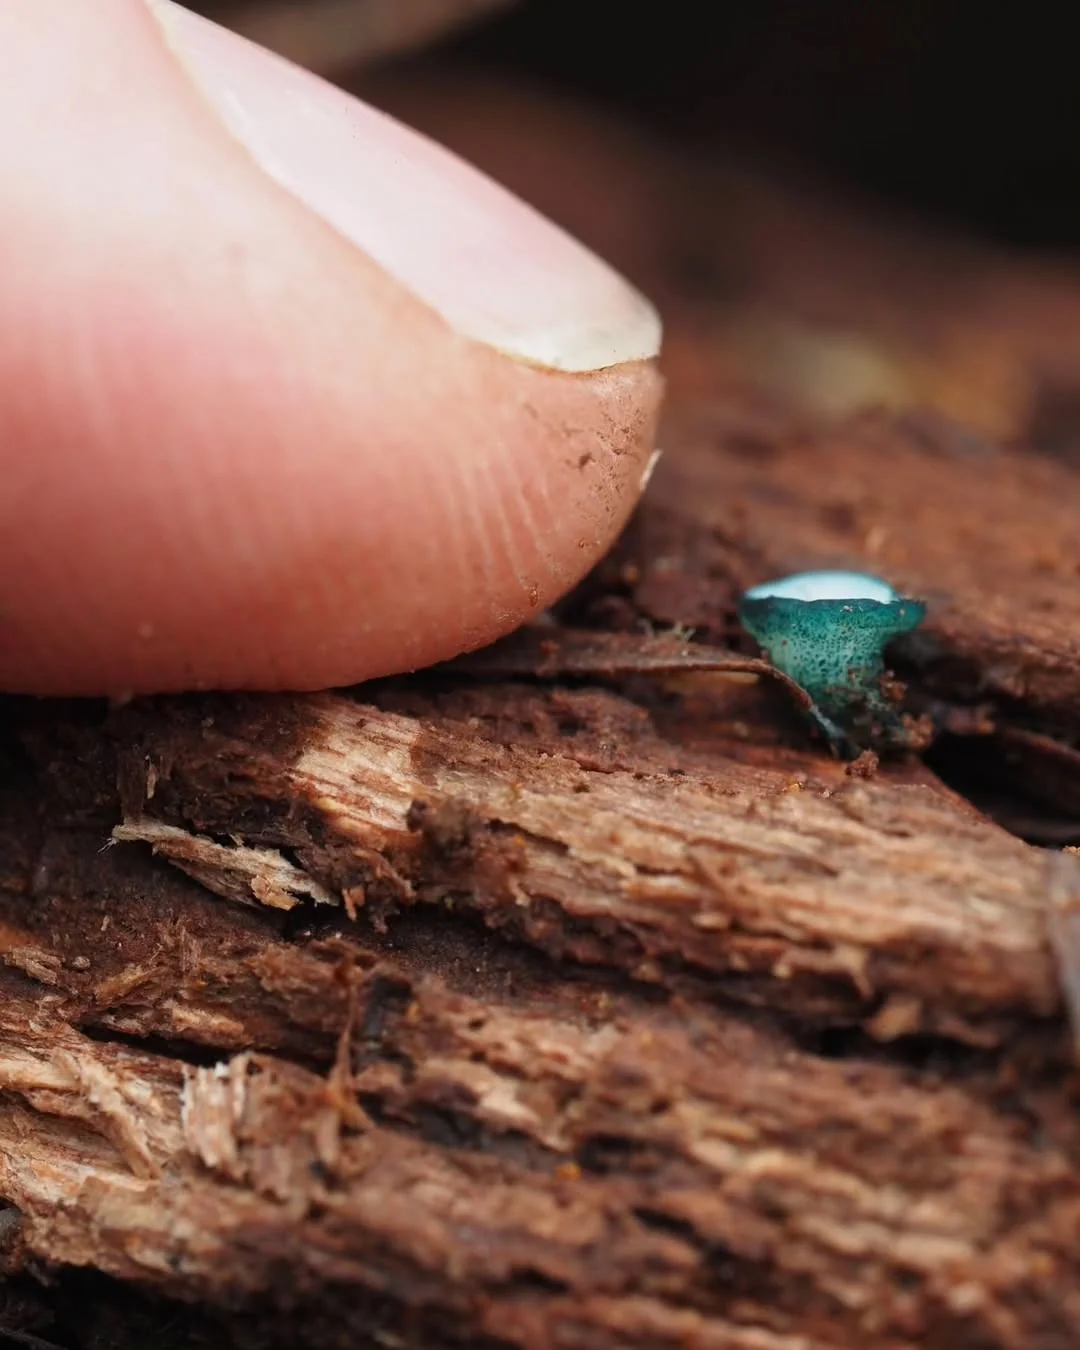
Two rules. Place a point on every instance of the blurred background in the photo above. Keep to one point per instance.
(954, 112)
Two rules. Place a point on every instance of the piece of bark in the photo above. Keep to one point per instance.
(434, 1136)
(792, 883)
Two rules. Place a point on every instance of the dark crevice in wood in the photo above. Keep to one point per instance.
(183, 1052)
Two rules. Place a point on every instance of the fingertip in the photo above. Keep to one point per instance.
(240, 452)
(338, 569)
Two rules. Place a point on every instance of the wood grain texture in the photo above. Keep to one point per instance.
(636, 1143)
(714, 872)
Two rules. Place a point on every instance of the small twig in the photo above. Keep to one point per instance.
(544, 656)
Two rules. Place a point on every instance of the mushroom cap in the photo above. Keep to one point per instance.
(825, 585)
(828, 630)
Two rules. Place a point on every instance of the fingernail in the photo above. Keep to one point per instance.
(494, 268)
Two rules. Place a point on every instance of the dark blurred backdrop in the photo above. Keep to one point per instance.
(960, 111)
(971, 112)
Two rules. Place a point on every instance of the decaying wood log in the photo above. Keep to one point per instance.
(570, 995)
(600, 854)
(420, 1125)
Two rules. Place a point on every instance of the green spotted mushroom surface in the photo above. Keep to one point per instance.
(828, 632)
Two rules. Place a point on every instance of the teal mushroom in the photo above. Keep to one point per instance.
(828, 632)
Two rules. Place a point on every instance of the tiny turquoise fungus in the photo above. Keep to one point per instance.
(828, 632)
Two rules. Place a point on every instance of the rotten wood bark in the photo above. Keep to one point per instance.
(569, 995)
(714, 874)
(428, 1130)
